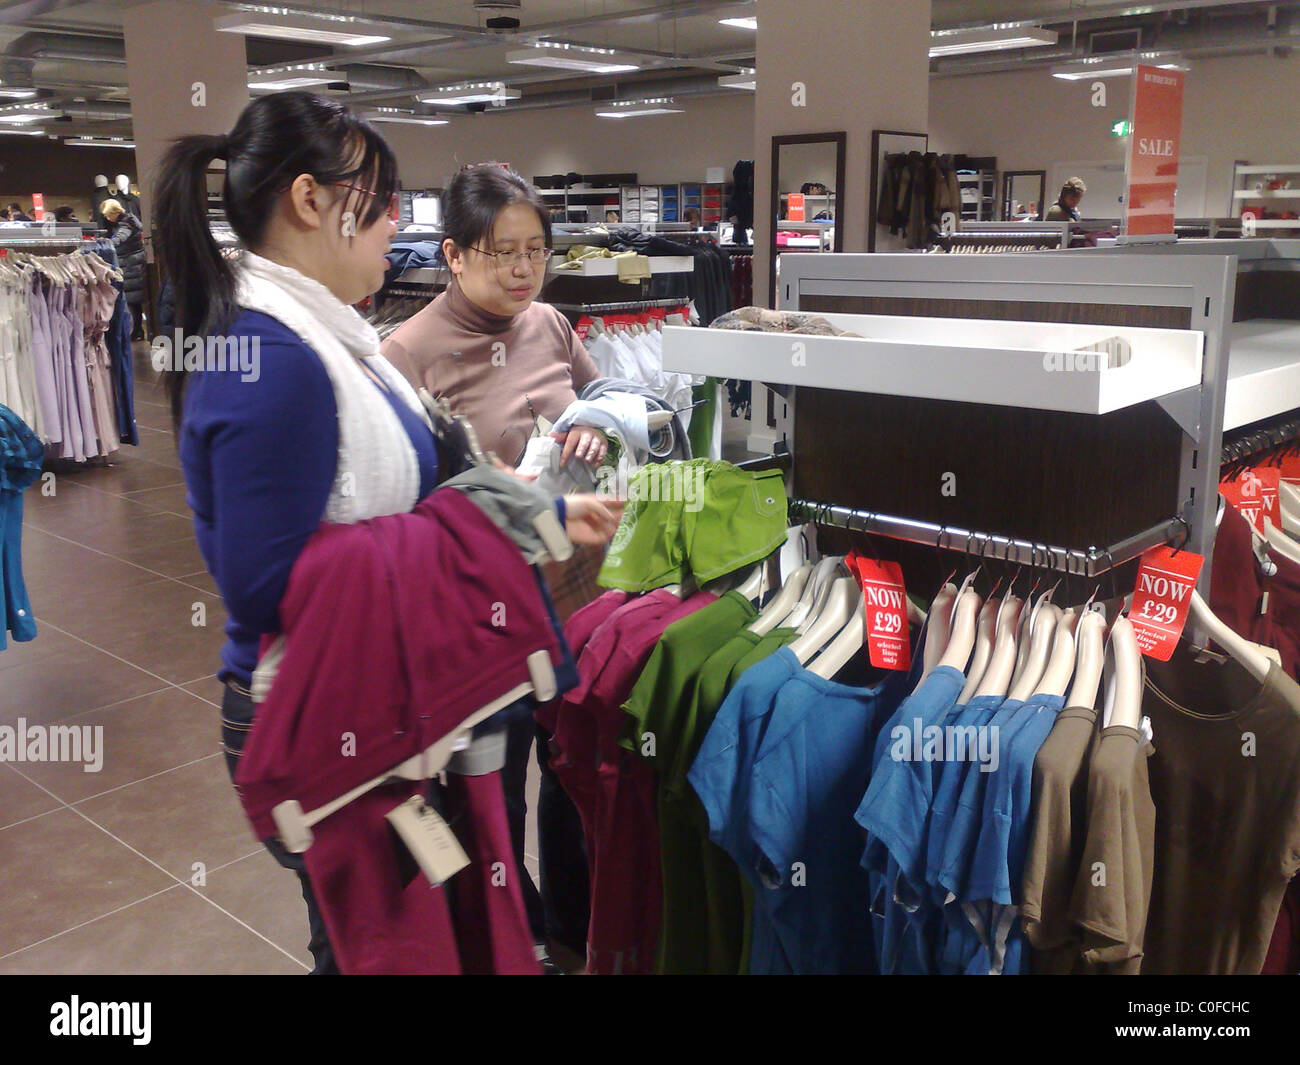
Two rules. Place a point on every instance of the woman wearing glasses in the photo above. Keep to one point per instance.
(317, 427)
(503, 360)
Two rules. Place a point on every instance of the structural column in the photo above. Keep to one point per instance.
(184, 77)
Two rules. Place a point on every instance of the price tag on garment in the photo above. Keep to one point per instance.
(1254, 494)
(1291, 467)
(888, 639)
(430, 841)
(1165, 582)
(583, 328)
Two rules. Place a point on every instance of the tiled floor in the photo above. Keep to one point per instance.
(148, 865)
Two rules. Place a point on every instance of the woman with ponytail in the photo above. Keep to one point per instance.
(316, 426)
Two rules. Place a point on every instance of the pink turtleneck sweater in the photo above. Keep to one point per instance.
(451, 348)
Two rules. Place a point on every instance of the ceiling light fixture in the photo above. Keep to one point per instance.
(321, 28)
(409, 120)
(571, 57)
(91, 142)
(293, 76)
(1116, 66)
(747, 80)
(994, 38)
(746, 23)
(661, 105)
(22, 132)
(472, 92)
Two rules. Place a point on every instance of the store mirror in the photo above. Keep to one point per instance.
(1022, 195)
(807, 201)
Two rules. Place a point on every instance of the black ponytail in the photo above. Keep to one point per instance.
(276, 138)
(477, 194)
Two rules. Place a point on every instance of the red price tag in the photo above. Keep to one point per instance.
(1165, 582)
(1254, 494)
(1291, 467)
(889, 642)
(583, 328)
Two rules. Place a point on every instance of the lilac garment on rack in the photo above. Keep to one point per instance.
(43, 362)
(118, 339)
(73, 298)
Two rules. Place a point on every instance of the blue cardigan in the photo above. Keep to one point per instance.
(260, 457)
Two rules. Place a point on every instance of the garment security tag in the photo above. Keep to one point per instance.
(1165, 582)
(888, 639)
(1254, 494)
(429, 840)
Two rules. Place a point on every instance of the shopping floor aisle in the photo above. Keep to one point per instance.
(147, 866)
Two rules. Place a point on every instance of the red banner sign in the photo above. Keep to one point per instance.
(1153, 151)
(795, 211)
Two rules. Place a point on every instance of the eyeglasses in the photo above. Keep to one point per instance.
(508, 260)
(392, 200)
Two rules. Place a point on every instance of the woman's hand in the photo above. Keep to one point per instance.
(583, 442)
(591, 519)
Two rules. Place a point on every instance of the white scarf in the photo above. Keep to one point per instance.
(378, 471)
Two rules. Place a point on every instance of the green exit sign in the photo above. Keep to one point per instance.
(1122, 128)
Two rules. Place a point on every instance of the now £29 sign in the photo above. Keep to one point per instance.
(1161, 599)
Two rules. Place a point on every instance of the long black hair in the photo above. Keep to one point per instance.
(477, 194)
(276, 138)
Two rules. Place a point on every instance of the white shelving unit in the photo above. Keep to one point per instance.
(1263, 371)
(659, 264)
(1011, 364)
(1250, 186)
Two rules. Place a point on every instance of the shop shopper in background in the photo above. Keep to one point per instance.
(126, 232)
(502, 359)
(327, 431)
(1066, 207)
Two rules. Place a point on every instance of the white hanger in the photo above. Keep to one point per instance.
(840, 651)
(294, 824)
(1288, 498)
(1060, 664)
(752, 586)
(985, 631)
(936, 635)
(997, 677)
(1247, 654)
(961, 640)
(815, 591)
(1281, 543)
(1042, 635)
(1091, 641)
(1124, 692)
(839, 607)
(783, 602)
(1025, 634)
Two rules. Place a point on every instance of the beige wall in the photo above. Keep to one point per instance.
(864, 66)
(712, 131)
(1235, 108)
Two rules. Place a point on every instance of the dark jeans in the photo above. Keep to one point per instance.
(561, 910)
(237, 710)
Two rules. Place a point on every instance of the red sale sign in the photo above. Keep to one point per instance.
(1254, 494)
(796, 208)
(1153, 151)
(885, 598)
(1165, 582)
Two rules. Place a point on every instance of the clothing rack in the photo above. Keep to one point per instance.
(1260, 439)
(617, 306)
(1071, 561)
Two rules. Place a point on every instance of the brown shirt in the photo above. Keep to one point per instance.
(1112, 892)
(1225, 778)
(1060, 799)
(490, 367)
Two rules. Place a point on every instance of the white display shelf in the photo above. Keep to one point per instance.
(1277, 223)
(1263, 371)
(1011, 364)
(1267, 194)
(1273, 168)
(659, 264)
